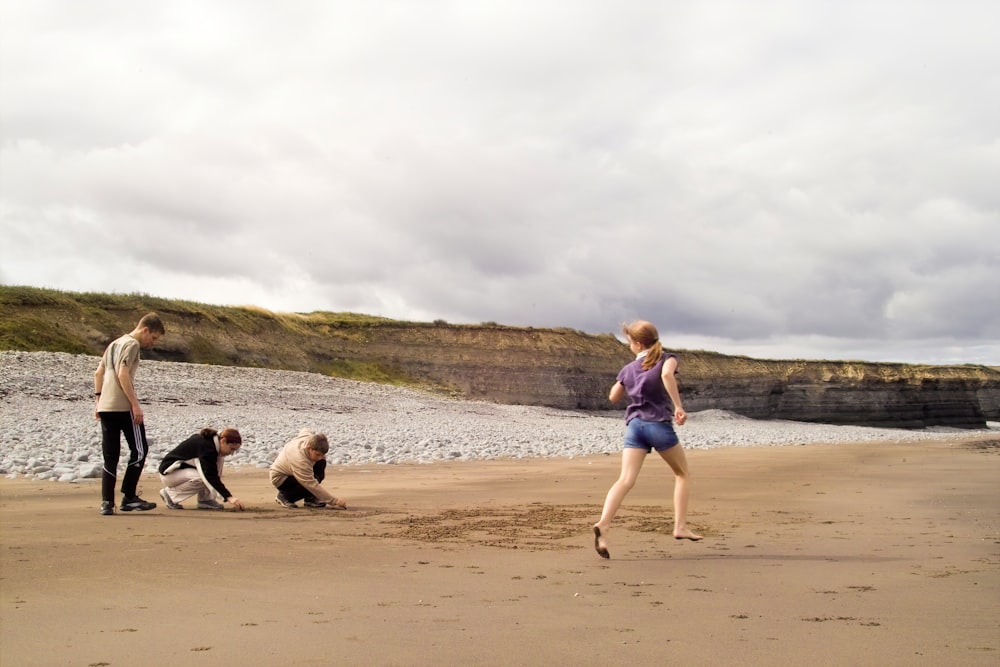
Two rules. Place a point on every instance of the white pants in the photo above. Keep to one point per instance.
(183, 483)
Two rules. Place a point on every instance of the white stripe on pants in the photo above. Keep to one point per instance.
(183, 483)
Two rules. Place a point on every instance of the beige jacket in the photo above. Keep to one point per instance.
(293, 461)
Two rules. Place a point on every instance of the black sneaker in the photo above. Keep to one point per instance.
(313, 503)
(137, 504)
(107, 508)
(283, 501)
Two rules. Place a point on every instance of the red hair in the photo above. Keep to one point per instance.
(646, 335)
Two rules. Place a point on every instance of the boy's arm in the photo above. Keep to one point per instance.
(302, 470)
(98, 384)
(125, 380)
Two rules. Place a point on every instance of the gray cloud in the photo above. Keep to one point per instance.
(785, 179)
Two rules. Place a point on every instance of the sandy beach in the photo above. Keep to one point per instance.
(877, 553)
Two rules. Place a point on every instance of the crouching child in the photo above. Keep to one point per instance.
(194, 467)
(299, 470)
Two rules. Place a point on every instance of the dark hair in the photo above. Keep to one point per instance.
(152, 322)
(319, 443)
(230, 435)
(645, 334)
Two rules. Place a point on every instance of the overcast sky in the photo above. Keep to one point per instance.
(803, 179)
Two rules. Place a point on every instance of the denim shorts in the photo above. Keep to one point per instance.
(641, 434)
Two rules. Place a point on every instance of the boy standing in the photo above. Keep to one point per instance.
(119, 411)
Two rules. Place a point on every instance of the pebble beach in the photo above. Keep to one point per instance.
(48, 430)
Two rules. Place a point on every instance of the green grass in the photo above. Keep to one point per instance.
(365, 371)
(40, 319)
(35, 334)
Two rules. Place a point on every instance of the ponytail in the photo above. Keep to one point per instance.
(653, 355)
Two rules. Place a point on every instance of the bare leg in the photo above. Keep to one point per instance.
(677, 461)
(632, 460)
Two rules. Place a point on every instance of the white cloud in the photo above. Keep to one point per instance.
(796, 179)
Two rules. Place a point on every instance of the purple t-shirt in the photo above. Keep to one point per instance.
(647, 397)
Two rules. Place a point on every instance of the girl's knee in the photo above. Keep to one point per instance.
(626, 483)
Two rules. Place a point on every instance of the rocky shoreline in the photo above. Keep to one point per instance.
(48, 430)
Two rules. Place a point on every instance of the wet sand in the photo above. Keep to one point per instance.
(863, 554)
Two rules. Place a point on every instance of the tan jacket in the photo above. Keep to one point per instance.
(293, 461)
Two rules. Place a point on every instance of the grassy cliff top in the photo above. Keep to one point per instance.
(338, 344)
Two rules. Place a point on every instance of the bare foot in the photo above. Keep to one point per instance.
(686, 534)
(600, 546)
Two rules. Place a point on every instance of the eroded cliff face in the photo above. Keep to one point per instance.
(897, 395)
(557, 368)
(549, 367)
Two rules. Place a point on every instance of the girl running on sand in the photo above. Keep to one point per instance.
(654, 401)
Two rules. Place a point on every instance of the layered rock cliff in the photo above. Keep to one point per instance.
(844, 392)
(551, 367)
